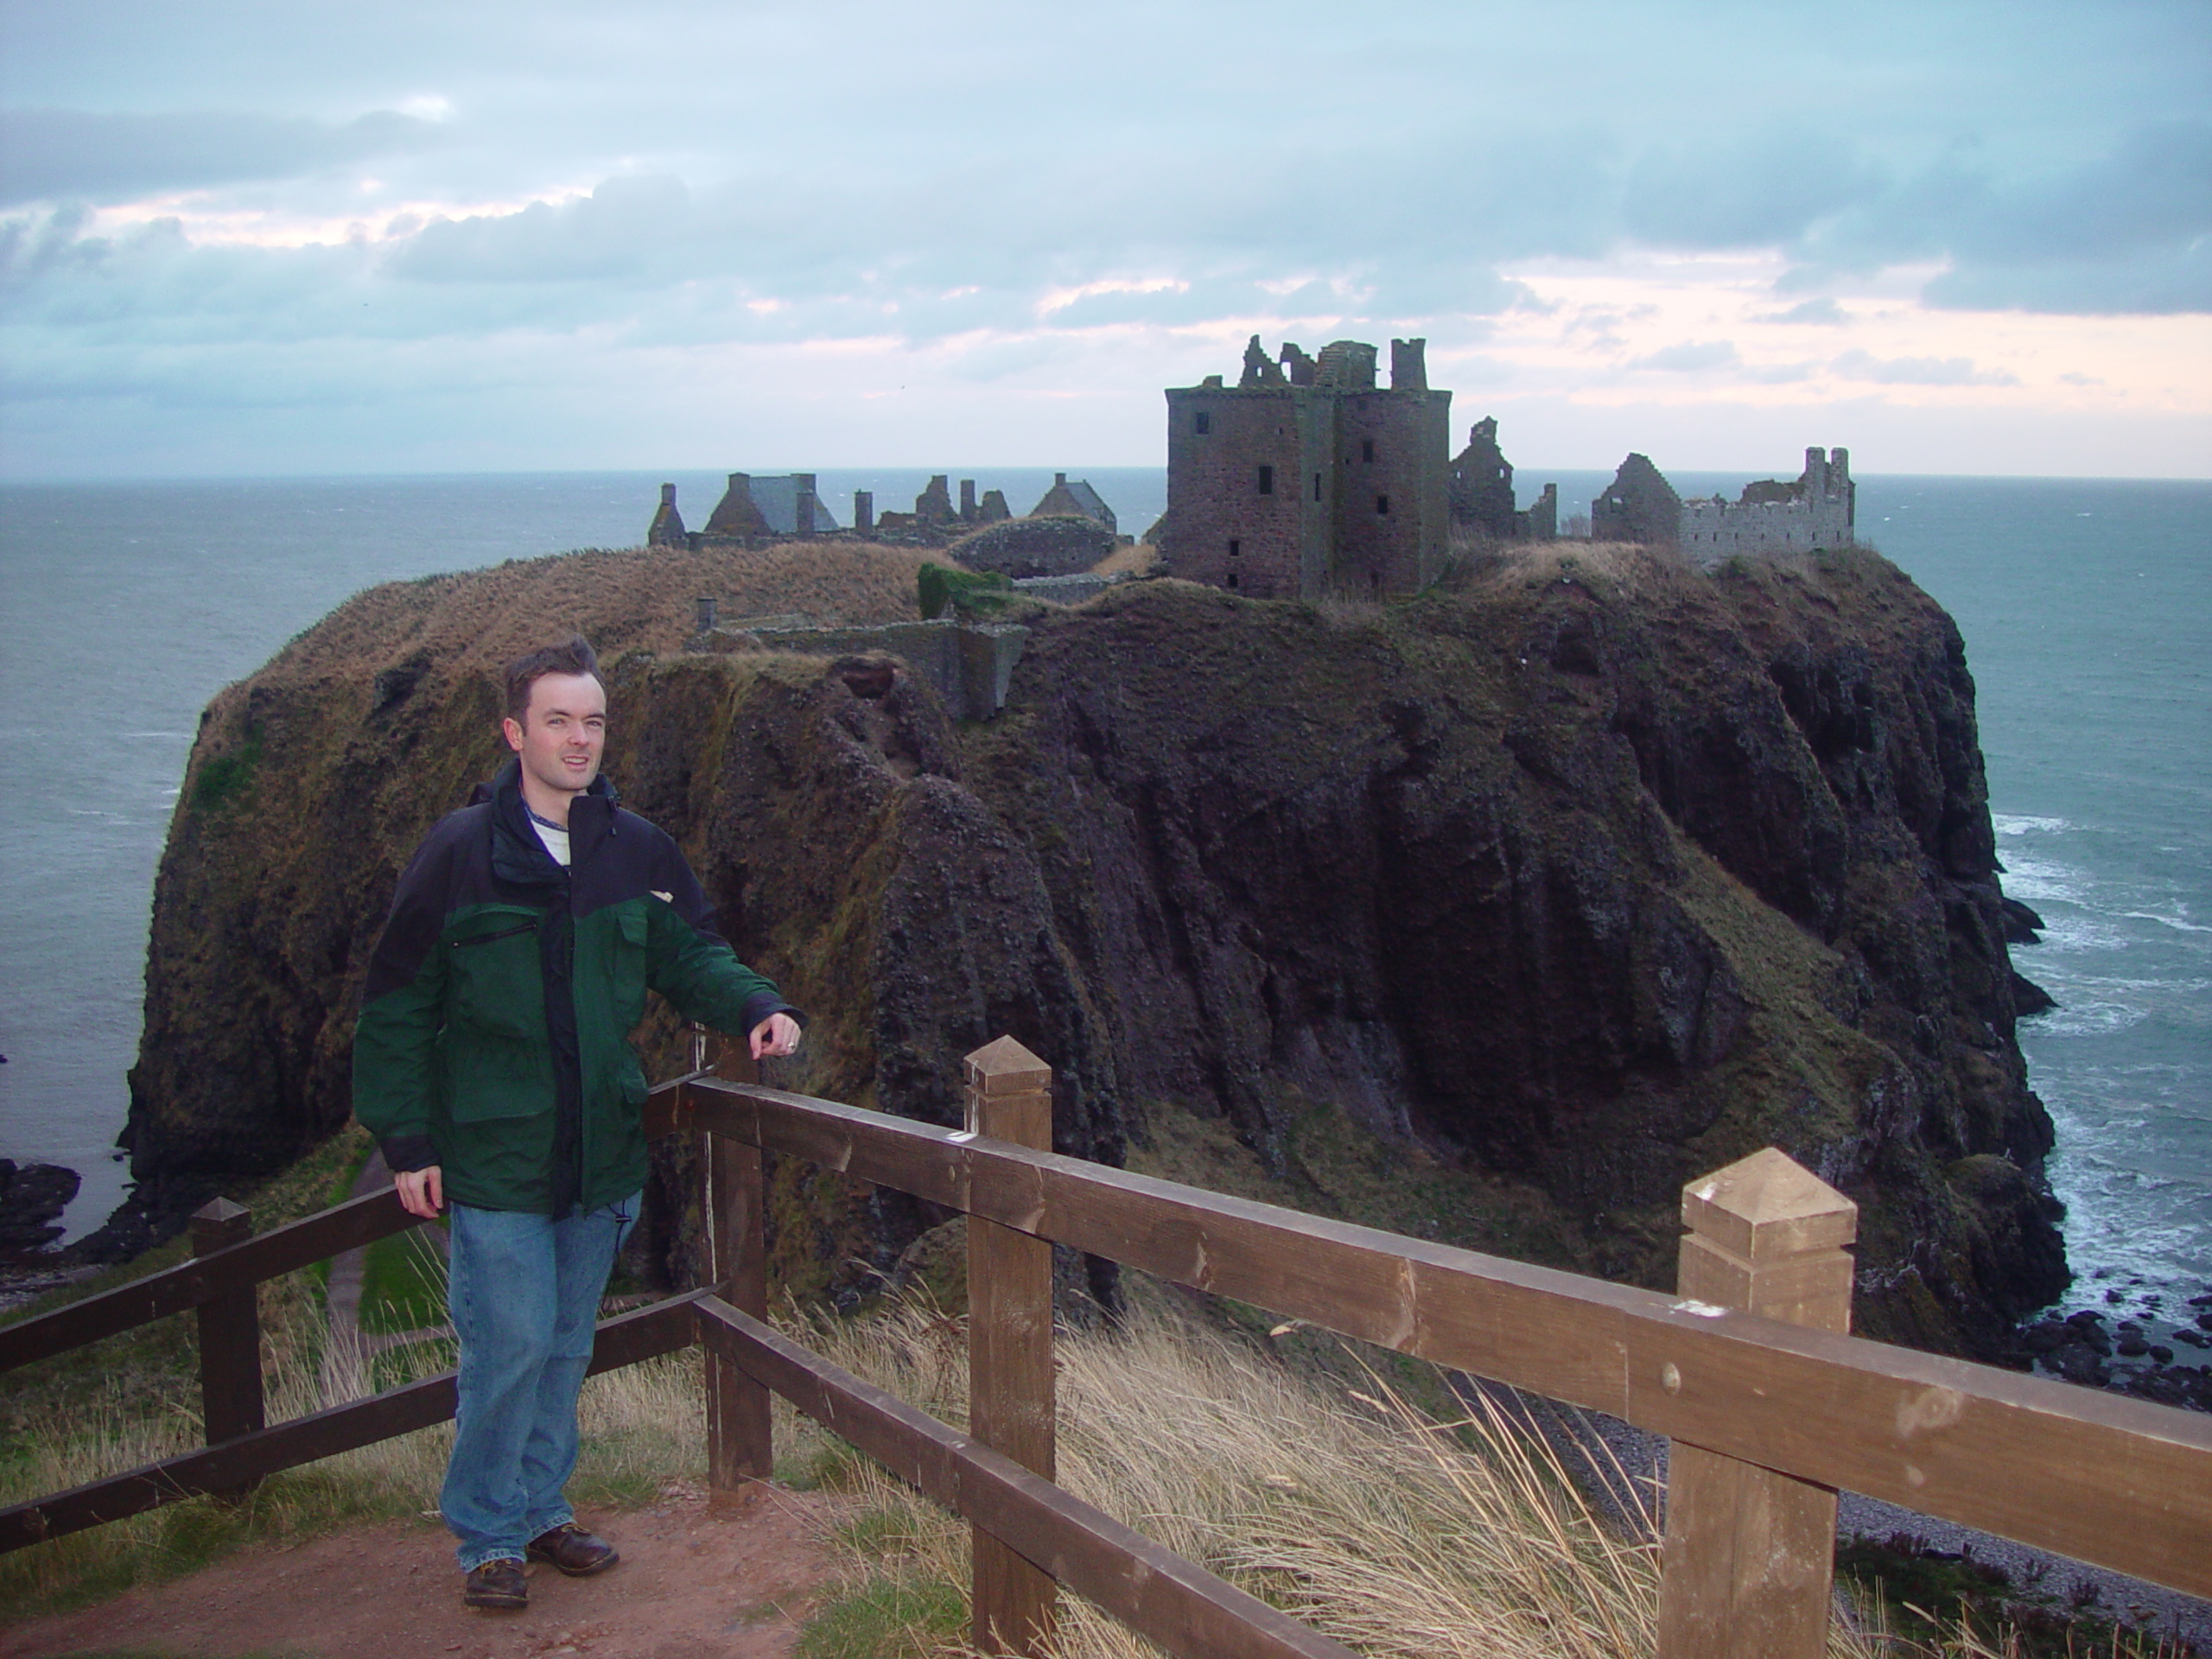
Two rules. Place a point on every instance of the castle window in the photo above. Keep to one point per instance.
(1367, 449)
(1267, 480)
(1382, 506)
(1235, 547)
(1317, 487)
(1202, 423)
(1232, 579)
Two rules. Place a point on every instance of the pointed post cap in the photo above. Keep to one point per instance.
(1005, 1067)
(1768, 1205)
(219, 1222)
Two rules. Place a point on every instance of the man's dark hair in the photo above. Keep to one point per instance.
(572, 656)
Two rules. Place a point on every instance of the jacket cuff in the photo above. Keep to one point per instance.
(760, 1006)
(402, 1153)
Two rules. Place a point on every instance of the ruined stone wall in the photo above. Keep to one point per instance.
(1023, 548)
(971, 665)
(1541, 522)
(1481, 484)
(1638, 505)
(1818, 510)
(667, 527)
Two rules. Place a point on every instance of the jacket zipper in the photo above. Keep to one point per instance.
(503, 933)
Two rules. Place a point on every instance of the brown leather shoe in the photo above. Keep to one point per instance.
(572, 1550)
(496, 1584)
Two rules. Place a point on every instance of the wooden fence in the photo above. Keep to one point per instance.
(1770, 1407)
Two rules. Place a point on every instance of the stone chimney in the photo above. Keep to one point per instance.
(864, 510)
(1409, 365)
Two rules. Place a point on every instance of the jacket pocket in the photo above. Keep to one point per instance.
(489, 1078)
(498, 987)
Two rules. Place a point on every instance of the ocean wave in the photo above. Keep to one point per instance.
(2007, 824)
(2088, 1019)
(2043, 884)
(2065, 934)
(2174, 922)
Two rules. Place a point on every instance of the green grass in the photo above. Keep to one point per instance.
(404, 1284)
(1927, 1593)
(228, 779)
(887, 1616)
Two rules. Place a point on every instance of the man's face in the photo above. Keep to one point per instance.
(562, 734)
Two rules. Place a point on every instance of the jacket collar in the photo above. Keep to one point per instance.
(517, 855)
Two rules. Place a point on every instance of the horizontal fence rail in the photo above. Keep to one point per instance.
(663, 1328)
(2119, 1483)
(204, 1279)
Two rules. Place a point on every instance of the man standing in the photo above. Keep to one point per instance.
(493, 1061)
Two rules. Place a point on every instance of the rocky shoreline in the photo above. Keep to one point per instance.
(2151, 1344)
(32, 1199)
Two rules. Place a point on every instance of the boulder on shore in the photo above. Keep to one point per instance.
(32, 1199)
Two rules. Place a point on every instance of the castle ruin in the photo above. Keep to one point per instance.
(756, 511)
(1076, 500)
(1820, 508)
(1482, 494)
(1305, 478)
(752, 511)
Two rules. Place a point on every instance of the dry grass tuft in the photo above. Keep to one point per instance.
(1396, 1532)
(1140, 559)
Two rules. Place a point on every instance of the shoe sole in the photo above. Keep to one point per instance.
(494, 1603)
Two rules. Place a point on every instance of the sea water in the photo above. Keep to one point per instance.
(2086, 606)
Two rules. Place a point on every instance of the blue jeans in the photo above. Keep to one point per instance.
(524, 1294)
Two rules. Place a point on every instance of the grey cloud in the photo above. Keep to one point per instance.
(1186, 302)
(2124, 231)
(1918, 371)
(623, 229)
(49, 154)
(1754, 189)
(2163, 283)
(1689, 358)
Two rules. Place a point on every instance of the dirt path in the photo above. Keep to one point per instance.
(692, 1583)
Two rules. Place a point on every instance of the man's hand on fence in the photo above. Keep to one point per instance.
(422, 1191)
(777, 1034)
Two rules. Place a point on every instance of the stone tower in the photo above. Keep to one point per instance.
(1305, 478)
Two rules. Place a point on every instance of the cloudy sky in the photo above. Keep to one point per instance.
(239, 237)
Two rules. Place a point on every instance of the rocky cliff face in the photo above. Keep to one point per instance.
(1553, 892)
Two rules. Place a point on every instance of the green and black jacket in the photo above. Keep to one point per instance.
(494, 1036)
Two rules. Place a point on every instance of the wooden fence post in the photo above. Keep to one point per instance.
(740, 1447)
(1749, 1556)
(230, 1337)
(1010, 1403)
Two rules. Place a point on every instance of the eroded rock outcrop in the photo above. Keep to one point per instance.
(1568, 886)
